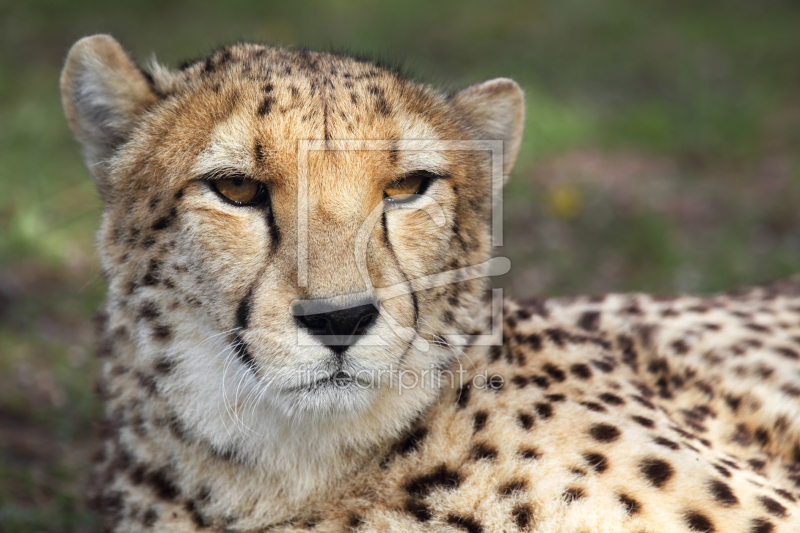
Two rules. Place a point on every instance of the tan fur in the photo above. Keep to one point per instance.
(617, 413)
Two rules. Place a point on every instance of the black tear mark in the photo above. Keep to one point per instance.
(243, 311)
(414, 302)
(243, 352)
(274, 230)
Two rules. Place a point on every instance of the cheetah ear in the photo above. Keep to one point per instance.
(497, 109)
(103, 93)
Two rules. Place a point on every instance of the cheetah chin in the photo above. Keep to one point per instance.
(299, 333)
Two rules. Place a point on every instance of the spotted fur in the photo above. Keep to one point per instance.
(606, 414)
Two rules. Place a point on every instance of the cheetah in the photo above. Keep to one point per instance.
(300, 335)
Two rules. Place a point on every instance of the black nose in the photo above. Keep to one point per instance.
(339, 326)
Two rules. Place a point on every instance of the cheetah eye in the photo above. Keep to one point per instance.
(409, 187)
(240, 191)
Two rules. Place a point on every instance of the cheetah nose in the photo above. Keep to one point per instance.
(340, 326)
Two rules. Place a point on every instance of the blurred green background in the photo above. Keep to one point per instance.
(661, 154)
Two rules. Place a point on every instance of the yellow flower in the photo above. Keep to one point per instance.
(565, 201)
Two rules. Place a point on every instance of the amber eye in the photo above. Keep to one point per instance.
(409, 186)
(240, 191)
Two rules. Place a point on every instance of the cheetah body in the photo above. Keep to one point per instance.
(602, 414)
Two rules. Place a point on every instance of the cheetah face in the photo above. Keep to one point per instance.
(304, 209)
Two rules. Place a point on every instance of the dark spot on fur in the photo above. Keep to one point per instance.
(164, 222)
(629, 354)
(722, 470)
(573, 494)
(149, 311)
(581, 371)
(554, 372)
(109, 505)
(354, 521)
(495, 383)
(479, 420)
(161, 332)
(519, 381)
(773, 507)
(462, 398)
(657, 471)
(604, 432)
(590, 321)
(557, 335)
(483, 451)
(525, 420)
(540, 381)
(266, 106)
(602, 366)
(757, 464)
(698, 522)
(597, 461)
(194, 512)
(545, 410)
(467, 524)
(611, 399)
(642, 421)
(680, 347)
(161, 483)
(762, 436)
(632, 506)
(440, 478)
(522, 515)
(164, 366)
(761, 525)
(789, 353)
(418, 509)
(661, 441)
(723, 493)
(556, 397)
(412, 441)
(148, 382)
(150, 517)
(529, 453)
(733, 402)
(534, 341)
(594, 406)
(508, 489)
(644, 402)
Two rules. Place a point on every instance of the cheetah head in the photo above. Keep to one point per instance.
(296, 220)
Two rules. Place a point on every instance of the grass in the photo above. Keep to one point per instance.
(661, 154)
